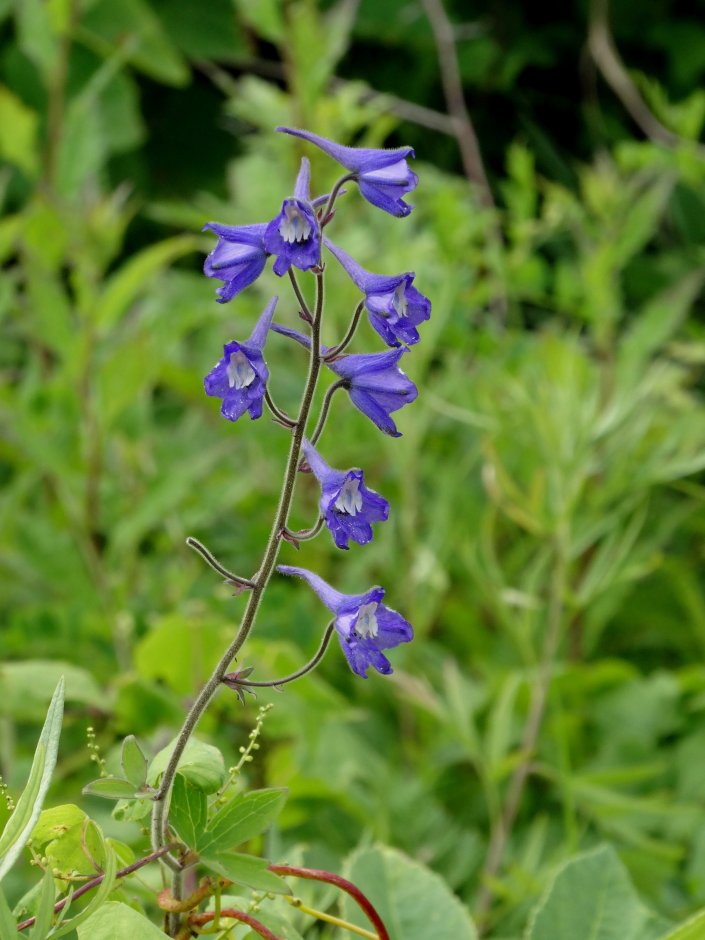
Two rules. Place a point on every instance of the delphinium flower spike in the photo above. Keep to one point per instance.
(365, 626)
(238, 258)
(294, 236)
(395, 307)
(240, 377)
(383, 176)
(347, 505)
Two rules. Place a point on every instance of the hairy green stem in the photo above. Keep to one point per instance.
(159, 831)
(211, 560)
(345, 341)
(325, 408)
(275, 683)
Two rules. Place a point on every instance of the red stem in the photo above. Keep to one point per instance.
(256, 925)
(316, 874)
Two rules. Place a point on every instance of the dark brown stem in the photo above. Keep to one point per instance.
(316, 874)
(607, 59)
(455, 99)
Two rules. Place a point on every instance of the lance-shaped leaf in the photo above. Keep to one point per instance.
(29, 806)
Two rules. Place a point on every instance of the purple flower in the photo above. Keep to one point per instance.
(294, 236)
(238, 258)
(364, 625)
(239, 378)
(382, 175)
(347, 505)
(394, 306)
(376, 385)
(374, 381)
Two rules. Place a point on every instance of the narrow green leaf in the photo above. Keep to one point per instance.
(97, 898)
(45, 909)
(133, 277)
(245, 870)
(29, 806)
(8, 927)
(133, 761)
(188, 812)
(246, 816)
(110, 788)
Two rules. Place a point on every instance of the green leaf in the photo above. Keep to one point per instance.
(8, 927)
(56, 822)
(29, 805)
(110, 788)
(188, 811)
(27, 685)
(18, 132)
(116, 919)
(413, 902)
(241, 819)
(691, 929)
(97, 897)
(133, 278)
(593, 892)
(245, 870)
(133, 761)
(45, 908)
(200, 763)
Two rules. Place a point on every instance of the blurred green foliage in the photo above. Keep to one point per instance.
(547, 493)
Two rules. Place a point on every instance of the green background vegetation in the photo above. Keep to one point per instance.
(546, 538)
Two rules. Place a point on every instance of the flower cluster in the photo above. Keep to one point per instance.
(374, 381)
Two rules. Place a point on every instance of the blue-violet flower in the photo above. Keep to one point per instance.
(240, 377)
(347, 505)
(376, 385)
(374, 381)
(365, 626)
(383, 175)
(394, 306)
(238, 258)
(294, 236)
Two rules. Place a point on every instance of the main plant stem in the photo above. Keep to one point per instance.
(261, 580)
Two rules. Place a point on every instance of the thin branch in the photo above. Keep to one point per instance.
(207, 916)
(502, 828)
(325, 408)
(345, 341)
(281, 416)
(305, 535)
(234, 681)
(211, 560)
(329, 918)
(94, 882)
(455, 99)
(300, 297)
(316, 874)
(607, 59)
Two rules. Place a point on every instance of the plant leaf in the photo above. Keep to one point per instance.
(413, 902)
(133, 761)
(188, 811)
(111, 788)
(245, 870)
(241, 819)
(29, 806)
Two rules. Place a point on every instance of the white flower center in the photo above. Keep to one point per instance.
(366, 623)
(239, 371)
(349, 498)
(399, 300)
(294, 227)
